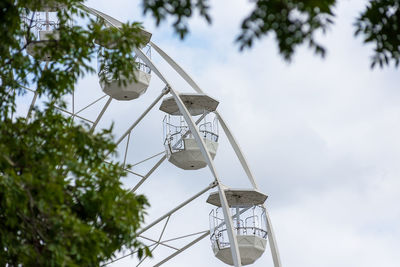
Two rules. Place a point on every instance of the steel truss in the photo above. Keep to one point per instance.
(193, 129)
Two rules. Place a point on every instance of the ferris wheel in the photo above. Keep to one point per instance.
(239, 222)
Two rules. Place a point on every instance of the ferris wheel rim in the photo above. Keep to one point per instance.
(176, 95)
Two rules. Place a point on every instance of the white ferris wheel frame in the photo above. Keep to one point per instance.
(200, 142)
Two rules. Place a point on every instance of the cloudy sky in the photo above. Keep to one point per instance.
(321, 137)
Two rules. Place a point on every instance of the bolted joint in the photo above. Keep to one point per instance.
(214, 184)
(166, 89)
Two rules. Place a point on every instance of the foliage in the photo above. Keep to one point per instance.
(181, 10)
(295, 22)
(380, 25)
(60, 204)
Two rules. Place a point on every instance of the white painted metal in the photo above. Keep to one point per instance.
(212, 185)
(159, 242)
(164, 91)
(188, 132)
(177, 68)
(200, 142)
(182, 249)
(249, 224)
(272, 241)
(148, 174)
(101, 114)
(239, 197)
(158, 154)
(128, 91)
(233, 142)
(35, 95)
(110, 20)
(251, 248)
(197, 88)
(181, 148)
(196, 104)
(91, 104)
(232, 236)
(73, 115)
(191, 157)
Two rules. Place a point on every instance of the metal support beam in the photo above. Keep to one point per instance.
(159, 242)
(183, 249)
(32, 105)
(35, 96)
(212, 185)
(100, 114)
(148, 174)
(164, 92)
(91, 104)
(70, 113)
(185, 236)
(149, 158)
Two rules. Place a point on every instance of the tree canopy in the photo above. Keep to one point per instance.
(61, 204)
(295, 22)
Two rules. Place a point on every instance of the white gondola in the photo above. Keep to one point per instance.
(249, 222)
(181, 146)
(122, 88)
(44, 25)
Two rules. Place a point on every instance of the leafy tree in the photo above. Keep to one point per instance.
(295, 22)
(60, 203)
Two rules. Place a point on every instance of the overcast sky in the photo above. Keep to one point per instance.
(321, 137)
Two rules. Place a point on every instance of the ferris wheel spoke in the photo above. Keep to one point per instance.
(101, 114)
(148, 174)
(26, 88)
(125, 169)
(70, 113)
(36, 93)
(91, 104)
(126, 150)
(164, 92)
(125, 256)
(212, 185)
(149, 158)
(183, 248)
(158, 242)
(32, 105)
(185, 236)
